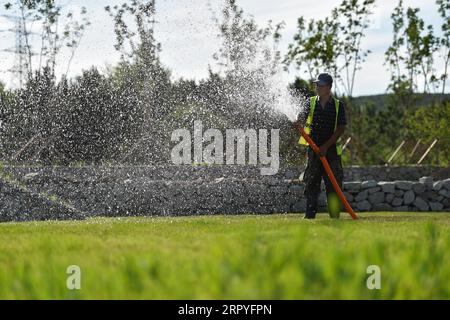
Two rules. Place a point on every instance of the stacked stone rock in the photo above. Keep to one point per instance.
(423, 195)
(125, 191)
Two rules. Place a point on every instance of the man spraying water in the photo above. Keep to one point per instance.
(325, 123)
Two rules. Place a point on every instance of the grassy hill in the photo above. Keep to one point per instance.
(381, 100)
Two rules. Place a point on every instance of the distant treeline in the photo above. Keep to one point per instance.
(127, 114)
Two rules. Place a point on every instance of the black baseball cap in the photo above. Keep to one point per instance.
(324, 79)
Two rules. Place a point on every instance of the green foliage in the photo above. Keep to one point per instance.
(367, 141)
(430, 123)
(379, 129)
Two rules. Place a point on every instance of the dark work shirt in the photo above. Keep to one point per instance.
(323, 124)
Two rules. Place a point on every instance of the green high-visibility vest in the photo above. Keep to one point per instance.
(309, 121)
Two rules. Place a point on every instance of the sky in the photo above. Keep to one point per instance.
(189, 40)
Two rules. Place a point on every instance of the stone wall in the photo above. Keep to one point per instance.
(68, 193)
(18, 203)
(422, 195)
(383, 173)
(172, 172)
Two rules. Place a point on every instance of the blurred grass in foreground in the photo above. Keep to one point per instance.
(229, 257)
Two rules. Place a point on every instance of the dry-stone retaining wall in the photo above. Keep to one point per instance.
(73, 193)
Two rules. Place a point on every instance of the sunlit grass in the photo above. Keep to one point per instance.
(229, 257)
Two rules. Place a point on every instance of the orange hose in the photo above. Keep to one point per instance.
(330, 174)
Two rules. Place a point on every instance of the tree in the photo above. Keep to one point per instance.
(136, 41)
(315, 47)
(393, 57)
(333, 44)
(140, 66)
(88, 102)
(444, 10)
(244, 44)
(248, 60)
(6, 100)
(421, 48)
(355, 16)
(412, 51)
(73, 33)
(49, 37)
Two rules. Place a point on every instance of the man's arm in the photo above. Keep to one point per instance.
(339, 132)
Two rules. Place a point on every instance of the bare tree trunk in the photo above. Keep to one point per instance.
(445, 71)
(27, 42)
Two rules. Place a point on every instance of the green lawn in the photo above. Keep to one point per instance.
(229, 257)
